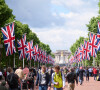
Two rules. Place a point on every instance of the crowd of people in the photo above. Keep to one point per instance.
(45, 78)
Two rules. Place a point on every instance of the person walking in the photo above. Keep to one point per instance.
(95, 73)
(30, 79)
(43, 79)
(1, 75)
(81, 72)
(87, 74)
(13, 80)
(3, 85)
(77, 71)
(90, 71)
(5, 74)
(20, 74)
(58, 79)
(71, 78)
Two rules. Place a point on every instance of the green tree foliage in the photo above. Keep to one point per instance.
(6, 16)
(92, 27)
(77, 44)
(5, 13)
(45, 47)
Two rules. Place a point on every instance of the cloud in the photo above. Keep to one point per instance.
(36, 13)
(77, 5)
(57, 22)
(77, 20)
(59, 37)
(68, 3)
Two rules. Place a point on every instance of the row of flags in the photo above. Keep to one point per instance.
(88, 49)
(25, 49)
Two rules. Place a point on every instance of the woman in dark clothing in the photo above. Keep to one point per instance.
(5, 75)
(30, 79)
(81, 71)
(87, 74)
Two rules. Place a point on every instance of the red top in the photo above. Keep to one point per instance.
(94, 71)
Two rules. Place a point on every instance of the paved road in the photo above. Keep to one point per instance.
(91, 85)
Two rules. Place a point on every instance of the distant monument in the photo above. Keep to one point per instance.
(61, 57)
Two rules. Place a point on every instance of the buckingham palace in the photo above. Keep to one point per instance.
(61, 57)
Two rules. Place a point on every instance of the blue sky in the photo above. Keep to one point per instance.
(58, 23)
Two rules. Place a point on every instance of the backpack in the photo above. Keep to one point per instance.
(58, 79)
(12, 81)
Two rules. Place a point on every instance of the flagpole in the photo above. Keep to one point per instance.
(38, 64)
(9, 61)
(93, 61)
(85, 63)
(30, 63)
(34, 63)
(23, 62)
(14, 60)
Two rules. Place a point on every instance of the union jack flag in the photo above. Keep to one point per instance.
(22, 47)
(40, 55)
(82, 52)
(79, 54)
(9, 39)
(52, 61)
(76, 56)
(48, 58)
(93, 44)
(98, 36)
(71, 60)
(86, 50)
(30, 50)
(36, 52)
(45, 57)
(98, 30)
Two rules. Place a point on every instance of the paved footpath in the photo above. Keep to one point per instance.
(91, 85)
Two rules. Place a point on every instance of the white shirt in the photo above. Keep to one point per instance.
(0, 73)
(90, 69)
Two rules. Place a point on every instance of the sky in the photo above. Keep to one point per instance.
(58, 23)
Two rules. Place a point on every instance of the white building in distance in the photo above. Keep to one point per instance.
(61, 57)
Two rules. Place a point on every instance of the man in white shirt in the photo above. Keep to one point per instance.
(90, 71)
(1, 75)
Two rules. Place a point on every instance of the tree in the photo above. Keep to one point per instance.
(6, 16)
(45, 47)
(77, 44)
(5, 13)
(92, 27)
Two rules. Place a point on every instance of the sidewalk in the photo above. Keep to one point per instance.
(91, 85)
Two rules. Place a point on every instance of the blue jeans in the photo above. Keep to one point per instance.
(95, 77)
(58, 88)
(43, 87)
